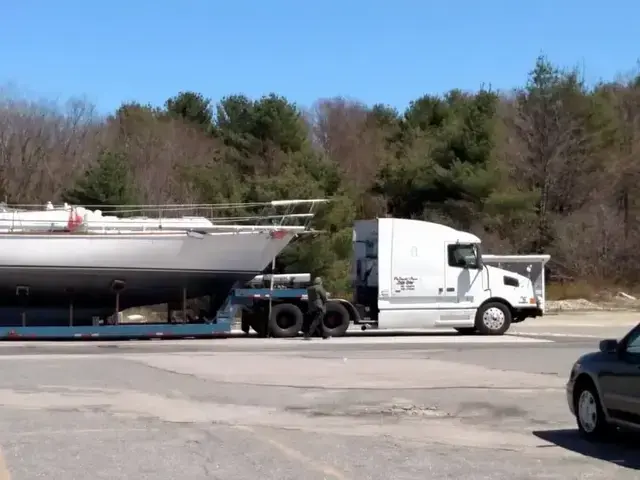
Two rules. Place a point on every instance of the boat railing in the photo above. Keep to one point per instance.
(279, 214)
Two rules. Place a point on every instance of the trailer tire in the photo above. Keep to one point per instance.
(294, 317)
(337, 320)
(493, 318)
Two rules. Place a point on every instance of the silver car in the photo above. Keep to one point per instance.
(603, 390)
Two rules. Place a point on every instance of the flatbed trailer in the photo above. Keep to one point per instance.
(276, 312)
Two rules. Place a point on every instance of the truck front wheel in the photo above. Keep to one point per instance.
(493, 318)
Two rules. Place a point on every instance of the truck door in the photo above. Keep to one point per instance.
(463, 276)
(414, 273)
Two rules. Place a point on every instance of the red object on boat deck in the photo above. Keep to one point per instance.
(75, 220)
(278, 234)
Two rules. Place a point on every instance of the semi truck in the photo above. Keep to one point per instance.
(411, 274)
(406, 274)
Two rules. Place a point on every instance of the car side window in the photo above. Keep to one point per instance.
(633, 344)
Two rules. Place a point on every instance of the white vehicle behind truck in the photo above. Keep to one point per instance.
(415, 274)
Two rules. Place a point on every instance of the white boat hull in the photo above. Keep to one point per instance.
(243, 251)
(154, 268)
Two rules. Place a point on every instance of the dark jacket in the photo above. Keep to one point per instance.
(317, 297)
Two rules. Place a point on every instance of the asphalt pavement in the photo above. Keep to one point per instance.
(364, 407)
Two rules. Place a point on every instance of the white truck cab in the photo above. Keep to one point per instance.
(416, 274)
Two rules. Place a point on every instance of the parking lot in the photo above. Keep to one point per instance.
(361, 407)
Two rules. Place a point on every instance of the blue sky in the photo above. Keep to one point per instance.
(388, 51)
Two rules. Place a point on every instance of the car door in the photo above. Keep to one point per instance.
(631, 390)
(621, 388)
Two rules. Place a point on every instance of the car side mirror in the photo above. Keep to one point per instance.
(609, 346)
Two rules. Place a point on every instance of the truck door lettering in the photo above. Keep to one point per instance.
(402, 284)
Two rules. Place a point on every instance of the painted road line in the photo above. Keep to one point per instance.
(432, 339)
(580, 324)
(553, 334)
(373, 332)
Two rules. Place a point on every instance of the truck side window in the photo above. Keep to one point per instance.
(462, 256)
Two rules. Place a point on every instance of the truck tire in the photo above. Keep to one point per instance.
(493, 318)
(286, 320)
(337, 320)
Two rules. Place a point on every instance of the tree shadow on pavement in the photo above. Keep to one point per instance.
(622, 449)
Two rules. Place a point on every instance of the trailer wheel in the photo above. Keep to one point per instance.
(337, 320)
(286, 320)
(493, 318)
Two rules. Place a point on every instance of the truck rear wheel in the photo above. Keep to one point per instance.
(286, 320)
(493, 318)
(337, 320)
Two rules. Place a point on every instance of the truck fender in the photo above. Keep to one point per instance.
(353, 312)
(497, 300)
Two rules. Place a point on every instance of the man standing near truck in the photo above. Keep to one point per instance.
(317, 301)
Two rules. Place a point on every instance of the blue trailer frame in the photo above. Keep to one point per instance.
(119, 332)
(219, 327)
